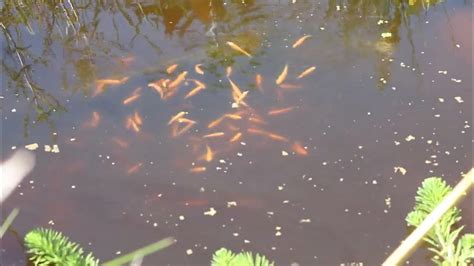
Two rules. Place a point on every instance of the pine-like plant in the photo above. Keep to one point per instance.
(225, 257)
(444, 240)
(49, 247)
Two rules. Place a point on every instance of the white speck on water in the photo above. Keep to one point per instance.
(189, 252)
(32, 146)
(410, 138)
(210, 212)
(459, 99)
(13, 110)
(441, 100)
(181, 218)
(284, 153)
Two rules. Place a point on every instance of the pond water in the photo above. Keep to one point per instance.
(302, 171)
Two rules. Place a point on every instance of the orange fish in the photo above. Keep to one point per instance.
(228, 71)
(236, 137)
(188, 126)
(233, 116)
(257, 120)
(198, 169)
(194, 91)
(171, 68)
(299, 149)
(131, 99)
(101, 83)
(257, 131)
(134, 168)
(209, 154)
(121, 143)
(258, 82)
(179, 79)
(237, 48)
(158, 86)
(214, 135)
(137, 118)
(301, 40)
(215, 122)
(306, 72)
(280, 111)
(177, 116)
(289, 86)
(282, 75)
(198, 69)
(95, 120)
(277, 137)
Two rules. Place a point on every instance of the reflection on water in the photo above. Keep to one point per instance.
(270, 126)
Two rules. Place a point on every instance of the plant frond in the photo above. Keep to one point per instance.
(47, 246)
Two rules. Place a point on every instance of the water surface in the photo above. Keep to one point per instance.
(372, 104)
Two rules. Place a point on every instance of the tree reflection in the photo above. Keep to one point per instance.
(75, 29)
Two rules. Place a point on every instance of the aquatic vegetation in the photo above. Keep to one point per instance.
(50, 247)
(225, 257)
(46, 247)
(445, 241)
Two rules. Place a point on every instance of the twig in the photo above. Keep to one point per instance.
(8, 221)
(411, 242)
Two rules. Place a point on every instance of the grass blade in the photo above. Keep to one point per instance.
(142, 252)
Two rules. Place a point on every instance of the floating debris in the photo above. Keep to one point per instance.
(459, 99)
(400, 169)
(409, 138)
(210, 212)
(32, 146)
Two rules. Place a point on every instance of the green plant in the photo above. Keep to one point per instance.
(225, 257)
(449, 248)
(49, 247)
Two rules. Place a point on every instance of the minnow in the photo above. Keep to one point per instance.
(237, 48)
(185, 120)
(235, 88)
(137, 118)
(257, 131)
(101, 83)
(199, 83)
(197, 169)
(194, 91)
(289, 86)
(130, 99)
(181, 77)
(258, 82)
(215, 122)
(214, 135)
(123, 144)
(280, 111)
(176, 133)
(306, 72)
(171, 68)
(257, 120)
(95, 120)
(282, 75)
(209, 154)
(236, 137)
(198, 69)
(233, 116)
(299, 149)
(134, 168)
(301, 40)
(277, 137)
(228, 71)
(158, 86)
(130, 123)
(176, 117)
(241, 98)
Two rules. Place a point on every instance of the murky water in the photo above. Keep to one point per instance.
(302, 172)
